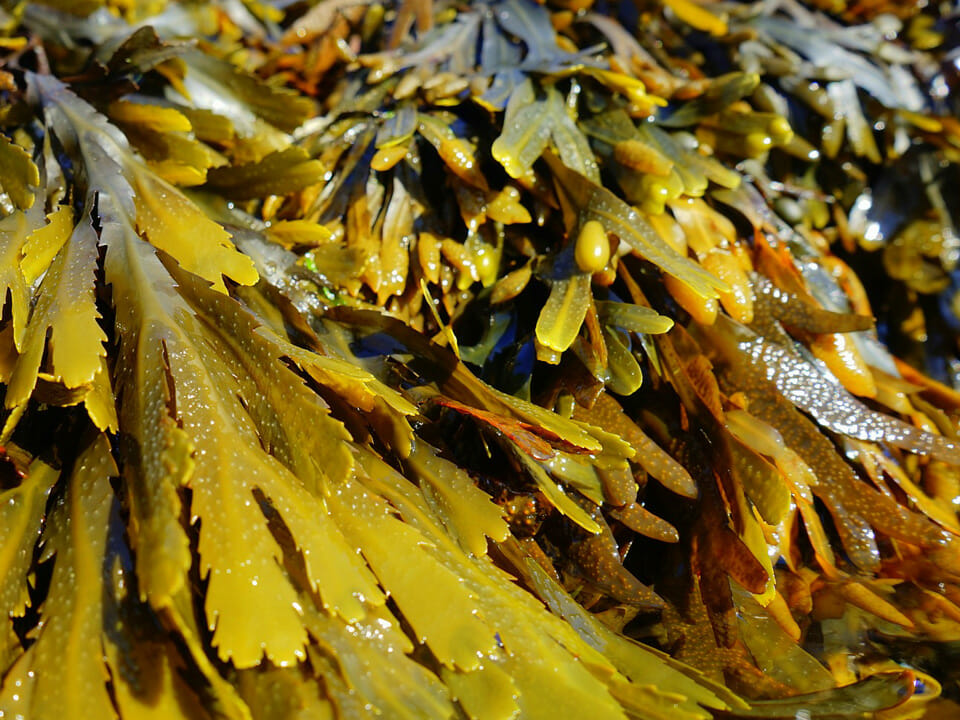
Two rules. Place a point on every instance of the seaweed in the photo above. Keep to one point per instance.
(489, 360)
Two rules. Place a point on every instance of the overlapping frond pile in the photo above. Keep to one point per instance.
(491, 360)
